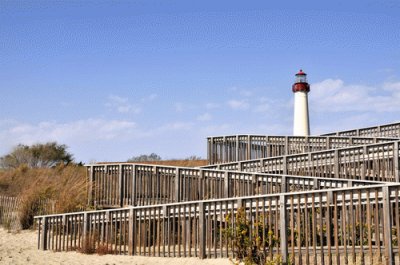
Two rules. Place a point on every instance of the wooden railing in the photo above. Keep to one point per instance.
(348, 225)
(387, 130)
(117, 185)
(378, 162)
(233, 148)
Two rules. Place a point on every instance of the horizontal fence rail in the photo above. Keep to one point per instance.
(117, 185)
(387, 130)
(232, 148)
(378, 162)
(359, 225)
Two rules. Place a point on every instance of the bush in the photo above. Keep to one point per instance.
(37, 156)
(143, 158)
(103, 249)
(88, 245)
(249, 247)
(32, 204)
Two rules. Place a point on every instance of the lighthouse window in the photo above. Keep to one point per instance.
(301, 79)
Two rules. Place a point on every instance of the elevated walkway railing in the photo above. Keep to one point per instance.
(233, 148)
(377, 162)
(386, 130)
(117, 185)
(354, 224)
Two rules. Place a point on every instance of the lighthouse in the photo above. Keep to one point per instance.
(301, 124)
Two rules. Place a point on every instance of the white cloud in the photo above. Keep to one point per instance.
(178, 125)
(150, 97)
(246, 93)
(333, 95)
(238, 104)
(204, 117)
(70, 133)
(121, 105)
(212, 105)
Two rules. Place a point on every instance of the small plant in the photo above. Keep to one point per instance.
(247, 240)
(103, 249)
(88, 245)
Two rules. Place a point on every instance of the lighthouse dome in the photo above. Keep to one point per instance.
(301, 83)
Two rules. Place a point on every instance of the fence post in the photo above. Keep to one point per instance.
(285, 165)
(254, 183)
(283, 184)
(396, 162)
(226, 185)
(86, 228)
(267, 145)
(121, 188)
(328, 142)
(387, 222)
(43, 238)
(91, 186)
(201, 185)
(133, 199)
(364, 164)
(224, 148)
(208, 150)
(287, 149)
(336, 164)
(283, 227)
(237, 149)
(177, 184)
(211, 152)
(131, 236)
(202, 231)
(350, 183)
(248, 147)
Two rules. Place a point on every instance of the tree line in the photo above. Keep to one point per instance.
(51, 154)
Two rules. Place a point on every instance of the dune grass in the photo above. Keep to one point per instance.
(63, 188)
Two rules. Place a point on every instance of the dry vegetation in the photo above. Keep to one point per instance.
(65, 185)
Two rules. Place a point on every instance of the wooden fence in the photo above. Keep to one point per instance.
(359, 224)
(387, 130)
(378, 162)
(232, 148)
(118, 185)
(10, 211)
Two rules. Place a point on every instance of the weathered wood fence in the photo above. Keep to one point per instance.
(379, 162)
(118, 185)
(232, 148)
(387, 130)
(359, 224)
(10, 211)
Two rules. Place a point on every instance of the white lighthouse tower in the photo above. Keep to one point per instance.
(301, 125)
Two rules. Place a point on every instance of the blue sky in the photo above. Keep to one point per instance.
(116, 79)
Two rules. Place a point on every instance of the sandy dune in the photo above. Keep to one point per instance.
(21, 248)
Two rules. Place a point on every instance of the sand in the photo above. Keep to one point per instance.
(21, 248)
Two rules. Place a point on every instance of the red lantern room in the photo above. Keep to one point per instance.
(301, 83)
